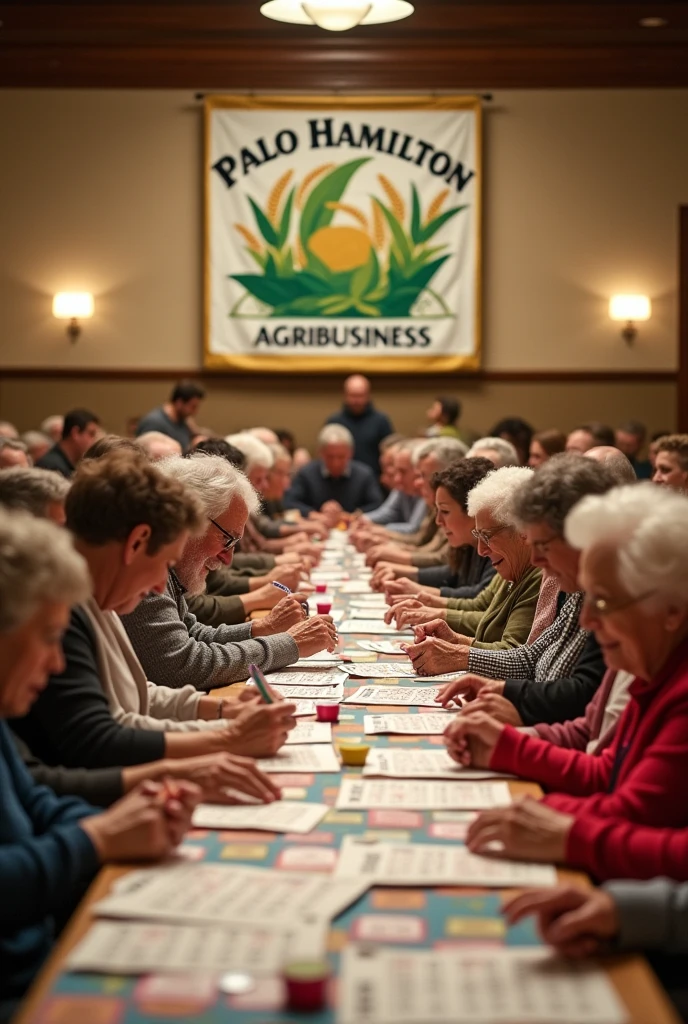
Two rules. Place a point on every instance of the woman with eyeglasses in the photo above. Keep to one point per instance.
(634, 571)
(501, 616)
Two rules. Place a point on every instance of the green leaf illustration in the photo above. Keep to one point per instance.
(264, 226)
(415, 216)
(285, 222)
(270, 290)
(434, 225)
(366, 278)
(400, 237)
(315, 214)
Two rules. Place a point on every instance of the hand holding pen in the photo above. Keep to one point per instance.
(286, 590)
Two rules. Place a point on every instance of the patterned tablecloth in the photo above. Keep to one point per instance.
(414, 917)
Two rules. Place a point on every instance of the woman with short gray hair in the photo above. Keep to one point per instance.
(554, 678)
(52, 847)
(38, 491)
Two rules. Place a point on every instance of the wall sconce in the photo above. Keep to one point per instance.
(629, 308)
(73, 306)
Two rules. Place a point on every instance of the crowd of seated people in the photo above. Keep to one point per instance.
(536, 564)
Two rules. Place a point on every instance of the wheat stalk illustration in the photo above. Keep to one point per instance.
(351, 210)
(250, 239)
(312, 176)
(395, 201)
(436, 205)
(379, 227)
(275, 197)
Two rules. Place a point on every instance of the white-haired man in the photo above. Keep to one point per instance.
(497, 449)
(173, 647)
(38, 491)
(334, 483)
(13, 453)
(158, 446)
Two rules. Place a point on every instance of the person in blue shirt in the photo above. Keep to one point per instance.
(175, 418)
(367, 424)
(52, 847)
(334, 483)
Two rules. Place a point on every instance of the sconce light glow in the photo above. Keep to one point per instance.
(73, 305)
(629, 307)
(337, 15)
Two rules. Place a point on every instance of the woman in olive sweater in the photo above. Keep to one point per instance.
(501, 616)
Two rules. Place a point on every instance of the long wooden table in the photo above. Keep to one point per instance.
(631, 975)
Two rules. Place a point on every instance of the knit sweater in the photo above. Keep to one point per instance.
(177, 650)
(46, 863)
(554, 678)
(500, 616)
(640, 777)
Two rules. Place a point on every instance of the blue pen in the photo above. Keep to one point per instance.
(261, 683)
(281, 586)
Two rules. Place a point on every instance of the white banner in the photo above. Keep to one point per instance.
(343, 234)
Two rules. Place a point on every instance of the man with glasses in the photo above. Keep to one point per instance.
(173, 647)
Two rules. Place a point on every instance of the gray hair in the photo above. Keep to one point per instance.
(8, 430)
(445, 449)
(504, 450)
(213, 481)
(14, 443)
(152, 441)
(256, 451)
(334, 433)
(648, 528)
(38, 564)
(31, 438)
(279, 453)
(31, 490)
(549, 495)
(264, 434)
(55, 422)
(495, 494)
(618, 464)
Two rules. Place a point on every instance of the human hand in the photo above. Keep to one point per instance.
(577, 922)
(313, 635)
(146, 824)
(401, 587)
(471, 739)
(527, 830)
(432, 657)
(412, 612)
(383, 574)
(469, 686)
(260, 730)
(285, 614)
(249, 695)
(288, 575)
(215, 774)
(500, 708)
(437, 628)
(406, 602)
(386, 552)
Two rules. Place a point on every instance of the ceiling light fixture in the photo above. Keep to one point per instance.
(653, 22)
(337, 15)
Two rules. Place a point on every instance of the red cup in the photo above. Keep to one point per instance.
(321, 588)
(324, 607)
(327, 712)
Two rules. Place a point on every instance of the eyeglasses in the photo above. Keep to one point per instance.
(484, 537)
(541, 547)
(602, 606)
(231, 541)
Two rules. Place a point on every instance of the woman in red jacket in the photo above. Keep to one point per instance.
(634, 570)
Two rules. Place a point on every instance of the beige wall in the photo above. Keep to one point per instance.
(101, 191)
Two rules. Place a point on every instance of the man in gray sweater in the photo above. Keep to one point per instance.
(173, 647)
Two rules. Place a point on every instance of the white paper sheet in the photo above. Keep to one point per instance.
(306, 758)
(224, 893)
(373, 612)
(420, 864)
(281, 816)
(356, 586)
(394, 670)
(403, 696)
(318, 660)
(311, 732)
(368, 601)
(310, 677)
(421, 764)
(468, 985)
(407, 725)
(357, 794)
(382, 646)
(303, 707)
(371, 626)
(301, 693)
(142, 947)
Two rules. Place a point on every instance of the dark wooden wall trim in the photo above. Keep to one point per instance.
(481, 376)
(683, 319)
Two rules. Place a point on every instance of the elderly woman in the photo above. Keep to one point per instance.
(553, 678)
(38, 491)
(634, 570)
(131, 525)
(52, 847)
(502, 615)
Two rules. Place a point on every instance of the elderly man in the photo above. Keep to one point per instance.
(37, 444)
(630, 439)
(158, 446)
(671, 462)
(38, 491)
(13, 453)
(498, 450)
(175, 418)
(368, 426)
(334, 483)
(615, 461)
(427, 546)
(9, 430)
(80, 430)
(403, 511)
(173, 647)
(52, 427)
